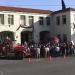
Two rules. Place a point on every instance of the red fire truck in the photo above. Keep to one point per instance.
(8, 49)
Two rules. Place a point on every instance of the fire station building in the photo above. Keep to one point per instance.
(24, 24)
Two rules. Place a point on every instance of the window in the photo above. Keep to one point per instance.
(47, 20)
(22, 20)
(1, 18)
(74, 26)
(64, 19)
(58, 20)
(31, 20)
(10, 19)
(41, 20)
(74, 17)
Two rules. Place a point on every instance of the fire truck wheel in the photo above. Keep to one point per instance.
(19, 55)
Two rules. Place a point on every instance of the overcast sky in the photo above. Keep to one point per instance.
(38, 4)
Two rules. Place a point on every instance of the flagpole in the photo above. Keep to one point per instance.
(33, 32)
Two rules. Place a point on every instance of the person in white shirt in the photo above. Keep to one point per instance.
(46, 51)
(38, 52)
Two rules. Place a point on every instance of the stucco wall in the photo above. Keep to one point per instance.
(13, 28)
(72, 22)
(62, 28)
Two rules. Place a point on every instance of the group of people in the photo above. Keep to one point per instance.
(50, 49)
(39, 50)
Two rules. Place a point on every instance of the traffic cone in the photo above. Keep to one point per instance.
(49, 58)
(64, 56)
(29, 60)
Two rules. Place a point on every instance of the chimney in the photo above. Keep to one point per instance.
(63, 5)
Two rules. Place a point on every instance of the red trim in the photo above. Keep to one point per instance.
(17, 9)
(23, 26)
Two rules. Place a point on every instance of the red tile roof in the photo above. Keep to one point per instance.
(17, 9)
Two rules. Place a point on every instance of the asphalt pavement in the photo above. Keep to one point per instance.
(43, 66)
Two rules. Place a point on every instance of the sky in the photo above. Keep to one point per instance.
(52, 5)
